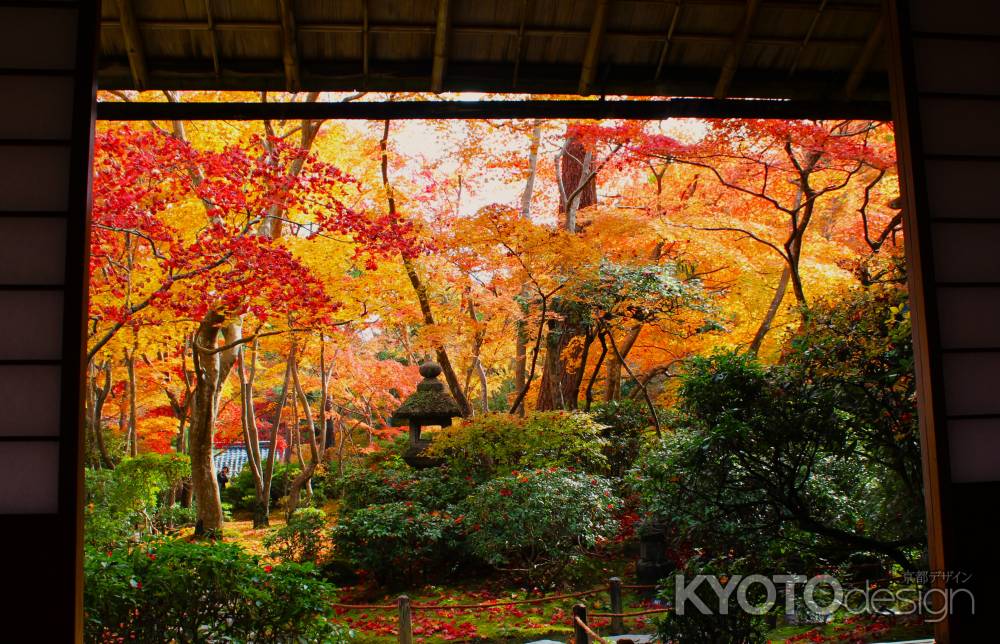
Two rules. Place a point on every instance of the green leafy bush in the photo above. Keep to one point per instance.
(497, 444)
(735, 626)
(123, 503)
(436, 488)
(534, 524)
(398, 541)
(242, 494)
(301, 539)
(172, 517)
(816, 457)
(203, 592)
(623, 422)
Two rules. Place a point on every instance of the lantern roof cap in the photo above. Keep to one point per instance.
(430, 402)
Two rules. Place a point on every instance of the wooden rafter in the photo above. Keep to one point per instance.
(519, 42)
(475, 30)
(290, 49)
(808, 37)
(440, 46)
(133, 44)
(593, 52)
(213, 40)
(366, 42)
(665, 48)
(740, 39)
(865, 59)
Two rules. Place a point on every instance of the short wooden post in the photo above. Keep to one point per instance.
(615, 590)
(580, 634)
(405, 623)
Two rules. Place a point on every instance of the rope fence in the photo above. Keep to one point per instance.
(584, 633)
(640, 613)
(484, 605)
(614, 589)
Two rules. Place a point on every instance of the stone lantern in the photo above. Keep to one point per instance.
(429, 405)
(653, 564)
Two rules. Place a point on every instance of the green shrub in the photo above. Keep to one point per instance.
(623, 423)
(534, 524)
(173, 517)
(498, 444)
(398, 541)
(301, 539)
(121, 504)
(203, 592)
(735, 626)
(784, 460)
(436, 488)
(242, 493)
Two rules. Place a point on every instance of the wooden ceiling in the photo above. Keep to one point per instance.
(816, 50)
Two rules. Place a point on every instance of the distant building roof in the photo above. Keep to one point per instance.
(235, 457)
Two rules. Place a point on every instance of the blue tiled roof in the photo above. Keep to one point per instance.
(235, 457)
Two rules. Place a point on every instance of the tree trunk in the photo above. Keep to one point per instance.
(454, 385)
(772, 312)
(613, 386)
(563, 369)
(479, 337)
(517, 407)
(182, 407)
(96, 396)
(641, 385)
(560, 386)
(521, 336)
(133, 437)
(613, 375)
(589, 394)
(263, 510)
(251, 434)
(574, 168)
(308, 468)
(211, 367)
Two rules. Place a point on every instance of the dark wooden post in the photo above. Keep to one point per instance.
(615, 590)
(580, 634)
(405, 623)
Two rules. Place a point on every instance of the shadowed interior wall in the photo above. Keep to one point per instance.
(947, 91)
(46, 117)
(947, 105)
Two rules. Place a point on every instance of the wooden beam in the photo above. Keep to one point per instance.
(551, 109)
(593, 52)
(665, 49)
(736, 50)
(440, 47)
(290, 50)
(864, 60)
(133, 44)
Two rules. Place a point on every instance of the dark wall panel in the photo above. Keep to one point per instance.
(960, 17)
(46, 121)
(946, 90)
(962, 189)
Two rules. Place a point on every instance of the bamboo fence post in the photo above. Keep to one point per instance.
(580, 634)
(615, 590)
(405, 621)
